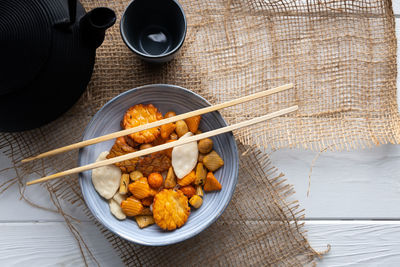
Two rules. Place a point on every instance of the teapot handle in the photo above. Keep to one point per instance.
(65, 23)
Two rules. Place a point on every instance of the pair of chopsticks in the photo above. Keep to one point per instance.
(166, 145)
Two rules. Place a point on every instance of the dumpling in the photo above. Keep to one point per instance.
(184, 157)
(106, 179)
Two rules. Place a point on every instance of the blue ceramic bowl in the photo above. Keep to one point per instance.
(165, 98)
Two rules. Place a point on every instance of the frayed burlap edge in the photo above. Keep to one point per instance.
(283, 219)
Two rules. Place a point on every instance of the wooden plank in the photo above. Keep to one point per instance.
(360, 184)
(12, 208)
(353, 243)
(51, 244)
(396, 7)
(345, 185)
(356, 243)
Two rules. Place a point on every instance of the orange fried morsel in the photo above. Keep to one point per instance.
(168, 151)
(212, 183)
(167, 129)
(188, 179)
(139, 115)
(170, 209)
(147, 201)
(140, 189)
(193, 123)
(156, 162)
(155, 180)
(131, 206)
(188, 190)
(120, 148)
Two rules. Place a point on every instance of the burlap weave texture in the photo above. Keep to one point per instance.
(341, 57)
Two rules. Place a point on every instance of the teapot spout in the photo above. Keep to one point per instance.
(94, 24)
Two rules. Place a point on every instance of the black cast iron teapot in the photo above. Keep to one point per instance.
(47, 54)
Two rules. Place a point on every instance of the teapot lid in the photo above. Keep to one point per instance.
(25, 42)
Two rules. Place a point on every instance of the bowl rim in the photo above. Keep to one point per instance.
(197, 230)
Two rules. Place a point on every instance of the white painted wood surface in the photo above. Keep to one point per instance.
(353, 206)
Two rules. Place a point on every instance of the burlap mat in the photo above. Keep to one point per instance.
(341, 56)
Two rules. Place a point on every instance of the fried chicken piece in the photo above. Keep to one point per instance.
(155, 162)
(120, 148)
(139, 115)
(170, 209)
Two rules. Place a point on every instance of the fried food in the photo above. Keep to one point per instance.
(199, 190)
(120, 148)
(130, 141)
(123, 186)
(144, 220)
(170, 181)
(131, 206)
(201, 174)
(213, 161)
(193, 123)
(212, 183)
(181, 128)
(139, 115)
(135, 175)
(167, 129)
(170, 209)
(140, 189)
(155, 180)
(188, 190)
(156, 162)
(147, 202)
(143, 193)
(205, 145)
(169, 114)
(187, 179)
(196, 201)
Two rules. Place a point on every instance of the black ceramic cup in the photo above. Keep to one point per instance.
(154, 29)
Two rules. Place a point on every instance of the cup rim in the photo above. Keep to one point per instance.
(132, 48)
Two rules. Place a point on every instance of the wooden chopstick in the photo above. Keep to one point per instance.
(160, 122)
(166, 145)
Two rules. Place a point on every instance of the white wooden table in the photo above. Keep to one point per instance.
(354, 205)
